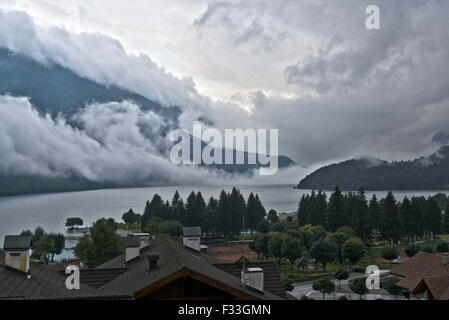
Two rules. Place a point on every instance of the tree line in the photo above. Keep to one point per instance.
(226, 216)
(386, 218)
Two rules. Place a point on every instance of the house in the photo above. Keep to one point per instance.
(425, 276)
(150, 269)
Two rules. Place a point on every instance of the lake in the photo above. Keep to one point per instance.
(50, 211)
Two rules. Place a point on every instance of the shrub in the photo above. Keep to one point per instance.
(443, 247)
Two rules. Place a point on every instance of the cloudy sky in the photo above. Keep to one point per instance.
(309, 68)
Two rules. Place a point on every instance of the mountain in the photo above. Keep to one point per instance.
(56, 90)
(425, 173)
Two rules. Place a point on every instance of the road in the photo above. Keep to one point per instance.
(306, 289)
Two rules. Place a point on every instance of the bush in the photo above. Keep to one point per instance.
(443, 247)
(427, 248)
(343, 298)
(305, 298)
(288, 284)
(411, 250)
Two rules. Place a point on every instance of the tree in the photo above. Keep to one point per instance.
(445, 225)
(361, 219)
(335, 211)
(324, 251)
(263, 226)
(390, 285)
(291, 249)
(44, 247)
(155, 208)
(129, 217)
(278, 227)
(273, 216)
(339, 238)
(262, 245)
(102, 245)
(358, 286)
(390, 224)
(432, 217)
(390, 253)
(325, 286)
(341, 274)
(72, 223)
(411, 250)
(251, 213)
(275, 246)
(405, 212)
(171, 228)
(353, 250)
(443, 247)
(177, 207)
(288, 284)
(59, 244)
(310, 234)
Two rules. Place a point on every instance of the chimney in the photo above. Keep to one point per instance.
(445, 258)
(17, 253)
(144, 238)
(192, 238)
(253, 278)
(152, 260)
(132, 248)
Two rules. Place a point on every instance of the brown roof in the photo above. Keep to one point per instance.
(45, 283)
(438, 287)
(174, 259)
(117, 280)
(422, 265)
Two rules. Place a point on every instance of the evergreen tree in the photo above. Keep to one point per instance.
(390, 219)
(260, 210)
(251, 213)
(237, 211)
(191, 211)
(335, 211)
(177, 207)
(374, 213)
(432, 217)
(361, 219)
(445, 227)
(405, 212)
(302, 210)
(212, 216)
(155, 208)
(224, 213)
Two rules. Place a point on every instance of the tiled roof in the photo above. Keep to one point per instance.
(17, 242)
(44, 283)
(438, 286)
(272, 279)
(117, 280)
(422, 265)
(174, 258)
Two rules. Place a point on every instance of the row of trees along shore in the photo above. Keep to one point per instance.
(388, 219)
(225, 216)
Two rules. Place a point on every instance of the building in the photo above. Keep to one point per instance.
(159, 269)
(425, 276)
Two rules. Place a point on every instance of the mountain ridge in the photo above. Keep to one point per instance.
(424, 173)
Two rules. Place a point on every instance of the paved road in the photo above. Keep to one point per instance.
(306, 289)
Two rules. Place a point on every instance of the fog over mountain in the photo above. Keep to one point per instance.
(308, 68)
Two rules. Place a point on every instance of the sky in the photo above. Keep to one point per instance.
(309, 68)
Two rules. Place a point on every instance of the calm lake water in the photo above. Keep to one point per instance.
(51, 210)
